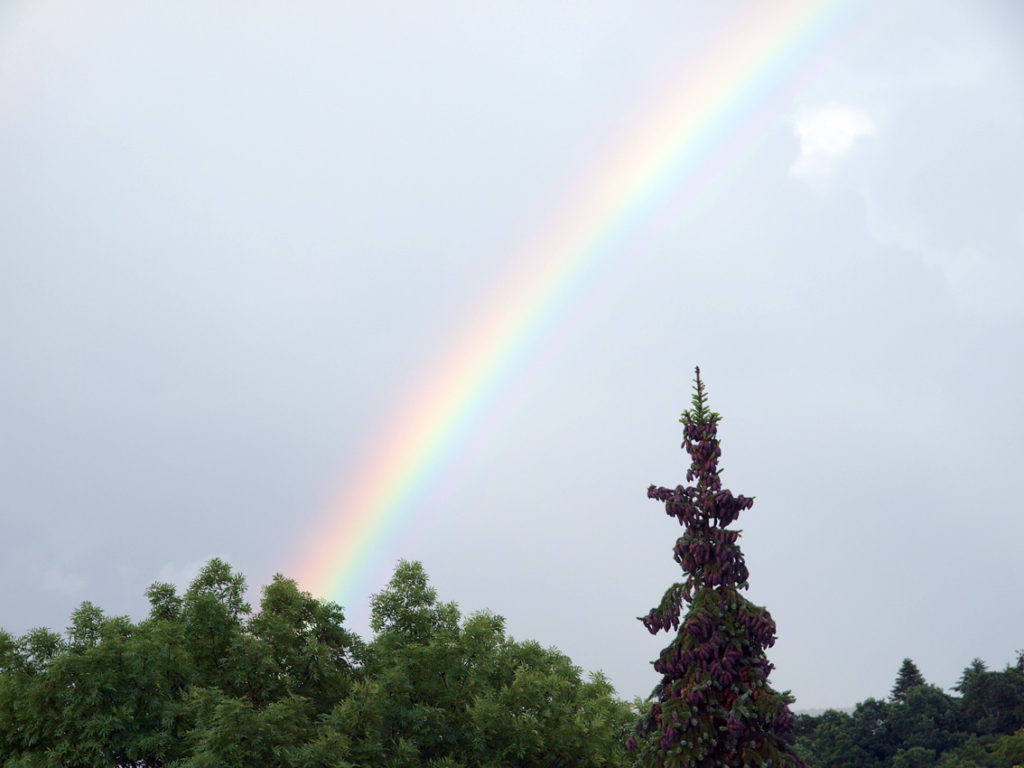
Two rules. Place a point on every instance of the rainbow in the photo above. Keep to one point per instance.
(702, 120)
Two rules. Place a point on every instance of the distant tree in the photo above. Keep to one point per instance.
(872, 729)
(833, 744)
(973, 753)
(984, 752)
(926, 718)
(993, 702)
(983, 728)
(1009, 749)
(914, 757)
(714, 706)
(971, 674)
(805, 724)
(908, 677)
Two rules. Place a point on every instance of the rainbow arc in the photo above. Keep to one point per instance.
(707, 112)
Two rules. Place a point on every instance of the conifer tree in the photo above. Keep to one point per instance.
(714, 706)
(908, 677)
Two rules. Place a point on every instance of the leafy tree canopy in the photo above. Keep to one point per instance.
(982, 728)
(204, 682)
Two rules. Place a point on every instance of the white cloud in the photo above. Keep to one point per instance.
(826, 134)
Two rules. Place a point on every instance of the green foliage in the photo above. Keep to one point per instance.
(927, 718)
(972, 672)
(202, 683)
(992, 702)
(407, 611)
(1009, 749)
(833, 743)
(973, 753)
(907, 678)
(986, 752)
(699, 413)
(461, 692)
(86, 627)
(213, 612)
(304, 646)
(983, 728)
(232, 733)
(873, 731)
(164, 601)
(915, 757)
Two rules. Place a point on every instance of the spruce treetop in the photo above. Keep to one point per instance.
(700, 413)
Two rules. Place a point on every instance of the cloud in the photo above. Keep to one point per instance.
(826, 134)
(988, 276)
(942, 184)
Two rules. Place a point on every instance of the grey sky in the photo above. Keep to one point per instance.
(233, 237)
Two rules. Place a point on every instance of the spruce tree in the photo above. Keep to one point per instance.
(908, 677)
(714, 706)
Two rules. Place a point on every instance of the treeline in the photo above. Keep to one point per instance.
(204, 682)
(920, 726)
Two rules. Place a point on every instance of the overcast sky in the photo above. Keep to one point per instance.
(235, 236)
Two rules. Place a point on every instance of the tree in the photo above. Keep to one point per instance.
(971, 674)
(440, 691)
(926, 718)
(714, 705)
(915, 757)
(199, 685)
(992, 702)
(213, 608)
(833, 744)
(873, 730)
(908, 677)
(306, 649)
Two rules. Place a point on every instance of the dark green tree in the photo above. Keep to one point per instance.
(971, 674)
(983, 728)
(992, 702)
(833, 744)
(440, 691)
(304, 645)
(214, 611)
(463, 691)
(714, 705)
(873, 731)
(197, 684)
(914, 757)
(908, 677)
(926, 718)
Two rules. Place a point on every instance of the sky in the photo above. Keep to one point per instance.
(239, 241)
